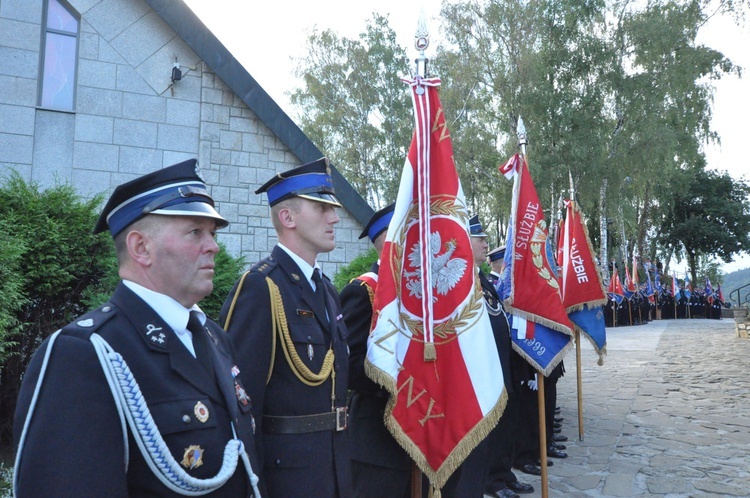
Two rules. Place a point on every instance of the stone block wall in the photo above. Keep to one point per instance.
(130, 119)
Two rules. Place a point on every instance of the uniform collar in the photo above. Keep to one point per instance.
(303, 265)
(173, 313)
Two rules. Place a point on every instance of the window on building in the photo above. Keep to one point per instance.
(59, 56)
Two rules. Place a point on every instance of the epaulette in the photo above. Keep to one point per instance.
(89, 323)
(265, 265)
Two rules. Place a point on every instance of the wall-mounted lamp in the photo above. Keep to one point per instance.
(176, 72)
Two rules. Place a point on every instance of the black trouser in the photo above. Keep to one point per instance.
(503, 447)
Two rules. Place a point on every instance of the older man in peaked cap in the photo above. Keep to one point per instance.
(142, 397)
(285, 320)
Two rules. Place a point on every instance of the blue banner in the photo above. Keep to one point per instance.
(591, 323)
(545, 350)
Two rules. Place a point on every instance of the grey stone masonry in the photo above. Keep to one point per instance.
(131, 119)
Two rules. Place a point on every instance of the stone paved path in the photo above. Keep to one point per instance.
(668, 415)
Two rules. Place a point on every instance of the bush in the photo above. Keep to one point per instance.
(53, 257)
(359, 265)
(11, 294)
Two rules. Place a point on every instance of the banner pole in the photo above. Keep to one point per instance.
(542, 432)
(416, 481)
(580, 385)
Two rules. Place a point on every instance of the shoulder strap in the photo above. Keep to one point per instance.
(225, 325)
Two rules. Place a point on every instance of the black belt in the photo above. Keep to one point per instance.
(330, 421)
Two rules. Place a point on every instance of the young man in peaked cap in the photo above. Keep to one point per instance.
(189, 428)
(380, 467)
(284, 318)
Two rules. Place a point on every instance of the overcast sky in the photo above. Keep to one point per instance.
(266, 35)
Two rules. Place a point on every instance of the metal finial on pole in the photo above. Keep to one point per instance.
(522, 138)
(572, 187)
(421, 42)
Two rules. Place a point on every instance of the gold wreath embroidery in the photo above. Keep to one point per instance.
(538, 259)
(441, 207)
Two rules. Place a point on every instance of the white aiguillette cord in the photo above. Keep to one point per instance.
(127, 393)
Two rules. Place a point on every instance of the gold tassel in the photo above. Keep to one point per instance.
(429, 351)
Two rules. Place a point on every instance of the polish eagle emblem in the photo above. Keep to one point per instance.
(446, 270)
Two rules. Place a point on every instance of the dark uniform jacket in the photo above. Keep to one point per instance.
(74, 445)
(310, 464)
(371, 442)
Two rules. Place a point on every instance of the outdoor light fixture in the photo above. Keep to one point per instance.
(176, 72)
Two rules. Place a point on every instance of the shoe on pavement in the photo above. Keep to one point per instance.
(553, 452)
(557, 430)
(556, 425)
(559, 419)
(538, 463)
(559, 446)
(530, 469)
(559, 438)
(503, 493)
(521, 487)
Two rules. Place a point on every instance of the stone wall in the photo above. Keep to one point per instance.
(130, 119)
(741, 323)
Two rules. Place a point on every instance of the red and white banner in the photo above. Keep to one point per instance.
(535, 290)
(431, 344)
(581, 280)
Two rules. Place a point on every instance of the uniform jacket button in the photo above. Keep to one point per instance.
(186, 419)
(278, 461)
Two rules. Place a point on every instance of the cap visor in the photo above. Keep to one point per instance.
(326, 198)
(200, 209)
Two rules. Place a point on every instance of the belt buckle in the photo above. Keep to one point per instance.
(341, 418)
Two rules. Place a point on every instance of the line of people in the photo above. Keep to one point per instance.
(147, 396)
(621, 312)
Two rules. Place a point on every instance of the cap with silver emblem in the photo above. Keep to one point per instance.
(177, 190)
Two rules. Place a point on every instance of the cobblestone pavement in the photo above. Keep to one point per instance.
(668, 415)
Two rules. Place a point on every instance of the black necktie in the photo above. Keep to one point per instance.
(319, 290)
(200, 342)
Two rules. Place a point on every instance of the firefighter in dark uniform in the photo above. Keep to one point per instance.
(380, 467)
(502, 482)
(285, 320)
(140, 397)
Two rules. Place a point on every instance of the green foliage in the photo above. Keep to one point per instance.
(613, 94)
(6, 480)
(711, 216)
(356, 109)
(359, 265)
(228, 269)
(50, 248)
(11, 283)
(59, 255)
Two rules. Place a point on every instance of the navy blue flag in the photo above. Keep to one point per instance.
(591, 321)
(541, 346)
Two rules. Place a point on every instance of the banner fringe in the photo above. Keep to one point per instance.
(476, 435)
(536, 318)
(552, 364)
(600, 352)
